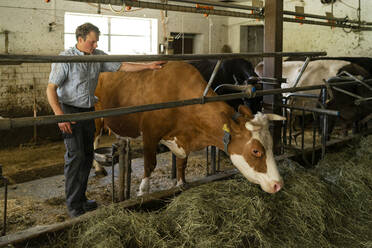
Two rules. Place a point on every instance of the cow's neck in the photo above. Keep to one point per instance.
(214, 134)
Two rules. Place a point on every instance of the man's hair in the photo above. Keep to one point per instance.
(84, 29)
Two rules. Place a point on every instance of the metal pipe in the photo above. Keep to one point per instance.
(346, 92)
(325, 123)
(8, 123)
(356, 79)
(171, 7)
(207, 155)
(314, 110)
(128, 169)
(24, 58)
(286, 12)
(214, 73)
(304, 95)
(337, 25)
(113, 156)
(213, 160)
(219, 4)
(174, 163)
(303, 68)
(359, 101)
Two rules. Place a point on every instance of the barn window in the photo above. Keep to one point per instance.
(119, 35)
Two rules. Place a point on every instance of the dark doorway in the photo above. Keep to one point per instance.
(183, 43)
(252, 40)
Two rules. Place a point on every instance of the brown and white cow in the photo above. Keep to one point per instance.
(188, 128)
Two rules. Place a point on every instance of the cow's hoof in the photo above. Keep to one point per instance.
(101, 173)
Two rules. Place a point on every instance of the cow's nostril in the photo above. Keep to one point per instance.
(277, 187)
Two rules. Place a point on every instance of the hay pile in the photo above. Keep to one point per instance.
(328, 206)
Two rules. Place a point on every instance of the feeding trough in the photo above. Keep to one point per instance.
(103, 156)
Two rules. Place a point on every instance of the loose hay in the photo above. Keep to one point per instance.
(327, 206)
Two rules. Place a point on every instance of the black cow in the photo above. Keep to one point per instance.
(233, 72)
(352, 113)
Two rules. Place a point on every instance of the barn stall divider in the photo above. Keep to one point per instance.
(256, 13)
(29, 121)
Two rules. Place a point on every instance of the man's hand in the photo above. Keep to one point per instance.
(156, 64)
(65, 127)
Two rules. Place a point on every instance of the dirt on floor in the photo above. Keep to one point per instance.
(34, 161)
(30, 162)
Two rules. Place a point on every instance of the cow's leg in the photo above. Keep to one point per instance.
(181, 167)
(99, 170)
(149, 152)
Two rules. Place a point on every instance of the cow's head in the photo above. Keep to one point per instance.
(251, 149)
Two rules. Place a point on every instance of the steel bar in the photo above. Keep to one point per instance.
(207, 155)
(324, 123)
(303, 68)
(213, 160)
(219, 4)
(127, 169)
(286, 19)
(346, 92)
(113, 155)
(8, 123)
(174, 170)
(359, 101)
(314, 110)
(314, 140)
(121, 195)
(286, 12)
(214, 73)
(357, 79)
(24, 58)
(171, 7)
(305, 95)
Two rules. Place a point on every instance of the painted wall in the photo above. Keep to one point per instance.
(304, 38)
(28, 23)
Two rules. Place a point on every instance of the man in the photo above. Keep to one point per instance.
(71, 90)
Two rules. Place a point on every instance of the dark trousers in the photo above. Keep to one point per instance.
(78, 158)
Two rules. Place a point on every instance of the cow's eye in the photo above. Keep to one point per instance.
(256, 153)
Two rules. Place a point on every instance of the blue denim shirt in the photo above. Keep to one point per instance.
(77, 82)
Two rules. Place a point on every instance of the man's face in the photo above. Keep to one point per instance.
(89, 44)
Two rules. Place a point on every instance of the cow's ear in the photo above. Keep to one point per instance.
(275, 117)
(245, 111)
(259, 69)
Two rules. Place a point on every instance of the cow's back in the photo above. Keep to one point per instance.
(175, 81)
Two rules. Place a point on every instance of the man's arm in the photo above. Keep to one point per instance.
(56, 107)
(140, 67)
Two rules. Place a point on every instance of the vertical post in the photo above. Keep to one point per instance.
(35, 108)
(207, 154)
(128, 169)
(324, 122)
(273, 32)
(213, 160)
(174, 165)
(218, 160)
(113, 160)
(121, 149)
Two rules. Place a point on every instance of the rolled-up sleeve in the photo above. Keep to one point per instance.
(58, 74)
(110, 66)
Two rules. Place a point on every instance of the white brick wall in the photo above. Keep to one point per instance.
(17, 89)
